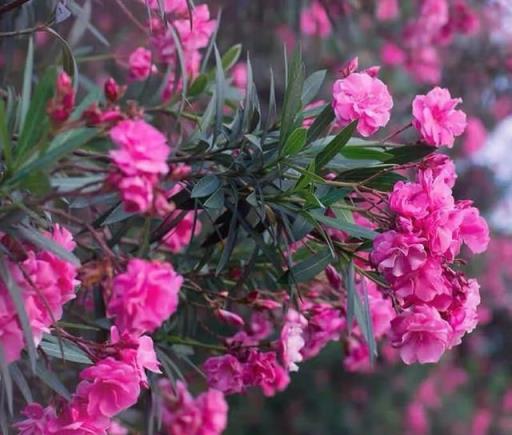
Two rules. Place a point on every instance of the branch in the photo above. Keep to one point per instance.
(12, 5)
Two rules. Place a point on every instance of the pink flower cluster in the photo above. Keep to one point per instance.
(47, 282)
(59, 108)
(438, 304)
(108, 387)
(361, 97)
(194, 33)
(183, 414)
(144, 296)
(140, 64)
(434, 27)
(140, 159)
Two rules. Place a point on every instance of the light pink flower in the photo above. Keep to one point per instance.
(292, 340)
(144, 296)
(140, 64)
(224, 373)
(109, 387)
(387, 10)
(420, 334)
(362, 98)
(314, 21)
(436, 119)
(117, 428)
(239, 76)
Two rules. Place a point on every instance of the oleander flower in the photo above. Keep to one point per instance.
(421, 334)
(224, 373)
(362, 98)
(314, 21)
(109, 387)
(387, 10)
(140, 65)
(144, 296)
(292, 339)
(436, 118)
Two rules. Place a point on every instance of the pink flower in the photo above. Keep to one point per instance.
(314, 21)
(239, 76)
(136, 192)
(387, 10)
(36, 421)
(292, 340)
(392, 54)
(308, 120)
(184, 415)
(140, 64)
(409, 200)
(424, 65)
(436, 119)
(180, 236)
(420, 334)
(170, 6)
(357, 355)
(416, 419)
(117, 428)
(224, 373)
(144, 296)
(362, 98)
(112, 90)
(109, 387)
(230, 318)
(137, 351)
(142, 149)
(397, 254)
(474, 137)
(75, 419)
(381, 309)
(11, 335)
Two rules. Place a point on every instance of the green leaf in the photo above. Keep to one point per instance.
(312, 86)
(35, 237)
(5, 140)
(295, 142)
(51, 379)
(351, 229)
(215, 201)
(293, 96)
(334, 147)
(308, 269)
(15, 295)
(68, 60)
(63, 144)
(219, 93)
(409, 153)
(205, 186)
(360, 153)
(6, 379)
(198, 86)
(37, 123)
(21, 382)
(320, 124)
(26, 91)
(230, 57)
(70, 352)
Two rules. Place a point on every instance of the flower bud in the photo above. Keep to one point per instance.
(350, 67)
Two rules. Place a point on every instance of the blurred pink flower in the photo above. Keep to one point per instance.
(474, 136)
(387, 10)
(314, 21)
(140, 64)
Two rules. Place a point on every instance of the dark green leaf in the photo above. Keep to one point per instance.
(312, 86)
(5, 140)
(360, 153)
(26, 92)
(339, 224)
(198, 86)
(205, 186)
(320, 124)
(68, 60)
(6, 379)
(51, 379)
(21, 382)
(295, 142)
(334, 147)
(36, 124)
(409, 153)
(308, 269)
(292, 99)
(219, 93)
(70, 352)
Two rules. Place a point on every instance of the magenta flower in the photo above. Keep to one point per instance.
(108, 387)
(314, 21)
(420, 334)
(436, 119)
(224, 373)
(360, 97)
(144, 296)
(387, 10)
(140, 64)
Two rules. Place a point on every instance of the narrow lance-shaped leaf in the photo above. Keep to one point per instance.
(26, 91)
(6, 379)
(51, 379)
(293, 96)
(312, 86)
(334, 147)
(339, 224)
(308, 269)
(295, 142)
(320, 124)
